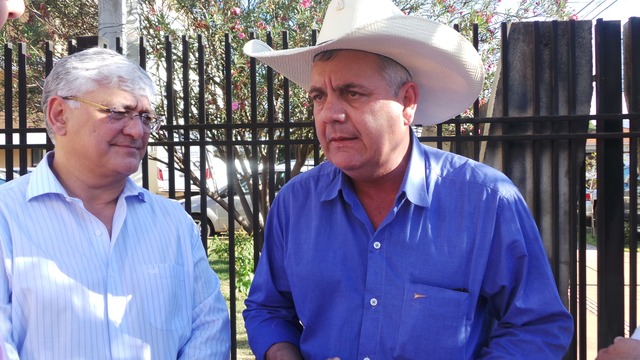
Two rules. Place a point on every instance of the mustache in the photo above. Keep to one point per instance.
(137, 144)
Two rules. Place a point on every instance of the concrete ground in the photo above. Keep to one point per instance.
(592, 300)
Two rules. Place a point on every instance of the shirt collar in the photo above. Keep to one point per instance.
(414, 185)
(43, 181)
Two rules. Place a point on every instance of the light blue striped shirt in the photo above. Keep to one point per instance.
(68, 291)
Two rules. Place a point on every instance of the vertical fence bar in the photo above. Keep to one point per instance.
(536, 68)
(119, 48)
(142, 50)
(22, 105)
(286, 116)
(171, 163)
(555, 155)
(8, 108)
(72, 47)
(456, 142)
(202, 119)
(258, 233)
(581, 294)
(610, 192)
(48, 65)
(316, 152)
(632, 92)
(185, 135)
(577, 155)
(476, 104)
(231, 181)
(504, 78)
(270, 132)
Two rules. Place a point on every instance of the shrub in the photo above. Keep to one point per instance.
(243, 258)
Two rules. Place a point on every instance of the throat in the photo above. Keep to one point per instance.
(377, 206)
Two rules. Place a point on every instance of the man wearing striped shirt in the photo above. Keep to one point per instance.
(95, 267)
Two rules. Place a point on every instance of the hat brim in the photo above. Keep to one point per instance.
(446, 67)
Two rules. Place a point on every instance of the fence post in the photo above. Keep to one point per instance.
(609, 212)
(632, 94)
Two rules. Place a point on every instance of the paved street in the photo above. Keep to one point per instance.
(592, 297)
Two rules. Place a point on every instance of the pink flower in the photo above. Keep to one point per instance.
(574, 17)
(241, 36)
(305, 3)
(236, 11)
(235, 106)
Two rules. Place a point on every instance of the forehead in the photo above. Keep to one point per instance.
(347, 65)
(113, 96)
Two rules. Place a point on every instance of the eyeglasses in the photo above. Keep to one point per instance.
(150, 123)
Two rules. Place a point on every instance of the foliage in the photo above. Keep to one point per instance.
(52, 21)
(210, 23)
(243, 255)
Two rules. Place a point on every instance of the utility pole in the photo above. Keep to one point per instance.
(120, 19)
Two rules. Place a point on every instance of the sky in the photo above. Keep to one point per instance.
(605, 9)
(595, 9)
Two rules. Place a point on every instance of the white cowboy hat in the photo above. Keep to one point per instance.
(446, 66)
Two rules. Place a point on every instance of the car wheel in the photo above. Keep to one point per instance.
(210, 231)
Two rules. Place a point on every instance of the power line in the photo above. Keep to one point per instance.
(605, 9)
(594, 9)
(584, 7)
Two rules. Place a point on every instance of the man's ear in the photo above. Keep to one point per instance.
(57, 115)
(409, 93)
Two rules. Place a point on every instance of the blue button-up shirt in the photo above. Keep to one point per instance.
(456, 270)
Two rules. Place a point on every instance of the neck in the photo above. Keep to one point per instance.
(377, 194)
(99, 197)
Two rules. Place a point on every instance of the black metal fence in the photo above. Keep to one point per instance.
(616, 289)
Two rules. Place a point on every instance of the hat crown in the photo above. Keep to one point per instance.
(343, 16)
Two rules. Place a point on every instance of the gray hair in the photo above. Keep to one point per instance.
(395, 74)
(91, 69)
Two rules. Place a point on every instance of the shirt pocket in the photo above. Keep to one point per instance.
(162, 295)
(434, 323)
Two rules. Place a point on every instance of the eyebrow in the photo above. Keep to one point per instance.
(343, 87)
(352, 86)
(130, 107)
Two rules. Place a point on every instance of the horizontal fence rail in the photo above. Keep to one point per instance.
(272, 134)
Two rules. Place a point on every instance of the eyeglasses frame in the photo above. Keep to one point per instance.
(154, 123)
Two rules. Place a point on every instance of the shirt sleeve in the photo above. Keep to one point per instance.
(7, 347)
(270, 316)
(210, 328)
(520, 287)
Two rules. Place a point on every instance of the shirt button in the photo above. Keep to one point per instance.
(98, 232)
(373, 301)
(376, 245)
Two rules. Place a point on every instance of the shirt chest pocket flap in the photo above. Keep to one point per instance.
(433, 315)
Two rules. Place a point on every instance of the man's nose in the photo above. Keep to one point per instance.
(134, 126)
(333, 110)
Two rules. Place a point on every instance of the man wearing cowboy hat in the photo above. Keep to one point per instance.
(392, 249)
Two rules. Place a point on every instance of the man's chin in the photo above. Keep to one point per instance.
(345, 163)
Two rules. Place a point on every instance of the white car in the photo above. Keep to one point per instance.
(217, 217)
(16, 174)
(590, 200)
